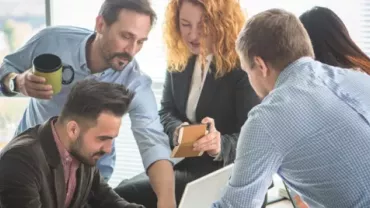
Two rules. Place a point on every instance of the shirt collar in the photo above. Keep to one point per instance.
(64, 154)
(209, 57)
(296, 65)
(82, 50)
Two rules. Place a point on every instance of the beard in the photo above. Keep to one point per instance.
(125, 56)
(76, 150)
(109, 57)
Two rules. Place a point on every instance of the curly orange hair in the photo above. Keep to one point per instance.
(224, 18)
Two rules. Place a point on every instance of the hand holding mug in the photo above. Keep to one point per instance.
(33, 86)
(210, 143)
(45, 79)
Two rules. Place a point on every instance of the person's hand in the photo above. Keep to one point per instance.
(175, 134)
(33, 86)
(210, 143)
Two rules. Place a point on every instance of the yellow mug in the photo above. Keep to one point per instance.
(51, 68)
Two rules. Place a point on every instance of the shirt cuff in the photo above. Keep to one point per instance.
(156, 153)
(6, 69)
(218, 157)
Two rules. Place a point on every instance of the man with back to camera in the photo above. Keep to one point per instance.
(312, 126)
(53, 164)
(106, 55)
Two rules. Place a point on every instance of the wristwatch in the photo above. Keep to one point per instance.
(9, 87)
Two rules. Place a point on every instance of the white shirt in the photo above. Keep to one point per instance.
(196, 87)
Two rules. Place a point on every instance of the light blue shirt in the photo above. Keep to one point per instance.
(69, 43)
(313, 129)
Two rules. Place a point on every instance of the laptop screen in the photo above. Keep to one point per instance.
(213, 184)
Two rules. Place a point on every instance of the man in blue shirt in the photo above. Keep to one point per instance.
(312, 127)
(122, 27)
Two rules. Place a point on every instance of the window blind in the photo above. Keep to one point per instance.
(364, 39)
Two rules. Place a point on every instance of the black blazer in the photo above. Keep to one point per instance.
(227, 100)
(32, 176)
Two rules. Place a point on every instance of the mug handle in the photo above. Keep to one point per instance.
(65, 82)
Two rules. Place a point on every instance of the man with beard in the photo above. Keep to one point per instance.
(53, 164)
(106, 55)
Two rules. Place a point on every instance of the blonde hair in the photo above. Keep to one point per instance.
(225, 19)
(275, 35)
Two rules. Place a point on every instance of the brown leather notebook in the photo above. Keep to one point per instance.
(187, 136)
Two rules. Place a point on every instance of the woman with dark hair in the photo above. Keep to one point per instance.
(331, 41)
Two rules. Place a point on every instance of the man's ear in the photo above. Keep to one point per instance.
(261, 65)
(73, 129)
(99, 24)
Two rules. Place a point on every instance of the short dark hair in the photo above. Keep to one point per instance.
(110, 9)
(88, 98)
(331, 40)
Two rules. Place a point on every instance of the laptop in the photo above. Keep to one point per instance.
(204, 191)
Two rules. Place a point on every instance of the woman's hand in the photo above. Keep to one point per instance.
(210, 143)
(175, 135)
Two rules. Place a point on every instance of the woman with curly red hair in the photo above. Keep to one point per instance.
(204, 84)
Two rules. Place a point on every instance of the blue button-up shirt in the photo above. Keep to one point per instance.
(313, 129)
(69, 43)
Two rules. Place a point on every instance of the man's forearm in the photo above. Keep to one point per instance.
(162, 179)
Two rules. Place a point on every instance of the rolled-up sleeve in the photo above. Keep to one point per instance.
(153, 143)
(256, 161)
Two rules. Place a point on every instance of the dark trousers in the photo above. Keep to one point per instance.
(139, 190)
